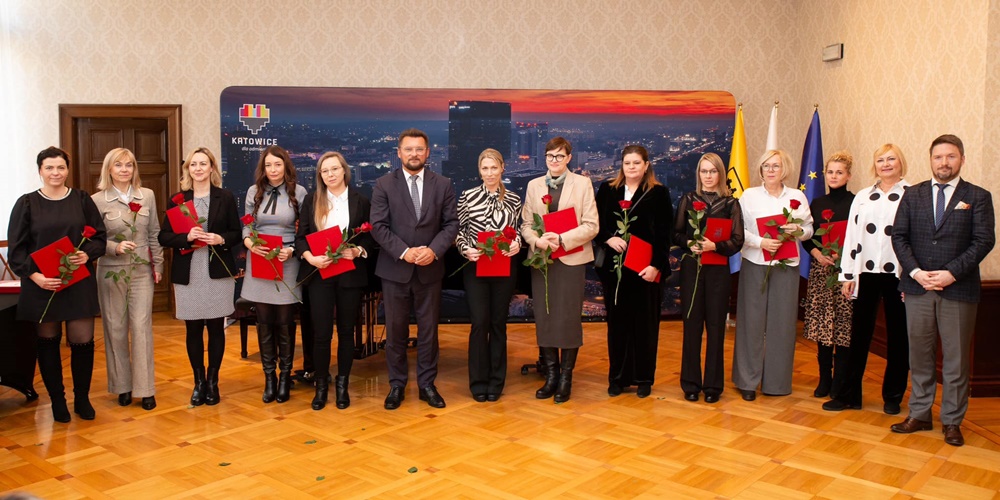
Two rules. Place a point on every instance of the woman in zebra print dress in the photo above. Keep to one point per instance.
(488, 208)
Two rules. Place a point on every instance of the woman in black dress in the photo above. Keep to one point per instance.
(38, 219)
(334, 203)
(633, 303)
(705, 293)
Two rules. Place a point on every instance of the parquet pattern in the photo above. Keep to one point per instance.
(594, 446)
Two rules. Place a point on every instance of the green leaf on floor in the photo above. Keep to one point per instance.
(224, 464)
(311, 441)
(412, 470)
(320, 478)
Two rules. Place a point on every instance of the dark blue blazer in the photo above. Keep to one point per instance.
(395, 226)
(962, 241)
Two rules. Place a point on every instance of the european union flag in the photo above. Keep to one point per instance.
(811, 180)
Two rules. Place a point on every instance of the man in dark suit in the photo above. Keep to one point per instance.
(943, 230)
(414, 220)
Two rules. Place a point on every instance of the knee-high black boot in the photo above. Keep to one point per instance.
(50, 366)
(82, 365)
(268, 359)
(550, 360)
(286, 354)
(840, 357)
(566, 375)
(824, 357)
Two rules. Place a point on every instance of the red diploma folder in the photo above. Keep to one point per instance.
(837, 232)
(491, 267)
(261, 267)
(560, 222)
(716, 229)
(182, 224)
(48, 258)
(638, 255)
(319, 242)
(788, 249)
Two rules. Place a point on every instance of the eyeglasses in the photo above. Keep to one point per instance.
(555, 158)
(411, 151)
(771, 167)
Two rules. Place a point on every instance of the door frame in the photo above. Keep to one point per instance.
(70, 113)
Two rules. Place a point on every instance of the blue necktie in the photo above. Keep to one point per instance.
(415, 195)
(939, 206)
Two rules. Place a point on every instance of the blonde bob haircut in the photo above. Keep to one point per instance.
(114, 156)
(722, 187)
(787, 167)
(883, 149)
(321, 203)
(215, 177)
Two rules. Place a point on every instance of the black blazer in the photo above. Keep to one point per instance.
(223, 219)
(962, 241)
(395, 226)
(360, 209)
(653, 220)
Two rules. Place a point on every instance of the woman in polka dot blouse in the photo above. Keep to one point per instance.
(870, 273)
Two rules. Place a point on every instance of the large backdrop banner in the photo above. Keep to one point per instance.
(677, 127)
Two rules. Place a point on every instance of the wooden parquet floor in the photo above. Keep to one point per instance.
(594, 446)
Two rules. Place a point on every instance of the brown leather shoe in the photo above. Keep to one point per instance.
(910, 425)
(953, 435)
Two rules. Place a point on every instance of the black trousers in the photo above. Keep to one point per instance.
(329, 300)
(489, 304)
(708, 304)
(873, 288)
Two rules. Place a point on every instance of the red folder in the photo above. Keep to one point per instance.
(788, 249)
(716, 229)
(837, 232)
(182, 224)
(490, 267)
(638, 255)
(48, 258)
(261, 267)
(560, 222)
(328, 238)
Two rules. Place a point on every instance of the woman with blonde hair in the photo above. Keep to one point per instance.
(131, 265)
(705, 292)
(489, 207)
(870, 274)
(827, 312)
(203, 285)
(768, 286)
(334, 203)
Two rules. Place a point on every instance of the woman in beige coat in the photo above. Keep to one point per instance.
(132, 264)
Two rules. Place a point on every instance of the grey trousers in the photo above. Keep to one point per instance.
(128, 339)
(928, 317)
(765, 329)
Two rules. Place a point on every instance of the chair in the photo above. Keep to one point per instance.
(6, 267)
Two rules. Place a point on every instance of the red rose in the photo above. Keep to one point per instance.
(827, 214)
(625, 204)
(135, 207)
(247, 219)
(547, 199)
(365, 227)
(88, 232)
(178, 198)
(794, 204)
(509, 233)
(698, 206)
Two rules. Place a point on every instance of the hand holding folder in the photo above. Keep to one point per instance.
(560, 222)
(329, 238)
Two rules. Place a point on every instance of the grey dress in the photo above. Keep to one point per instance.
(204, 297)
(281, 222)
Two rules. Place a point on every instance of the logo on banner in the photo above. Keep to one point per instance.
(254, 117)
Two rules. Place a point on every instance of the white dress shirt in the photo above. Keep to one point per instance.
(868, 241)
(340, 213)
(755, 203)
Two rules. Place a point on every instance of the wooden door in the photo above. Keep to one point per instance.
(149, 139)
